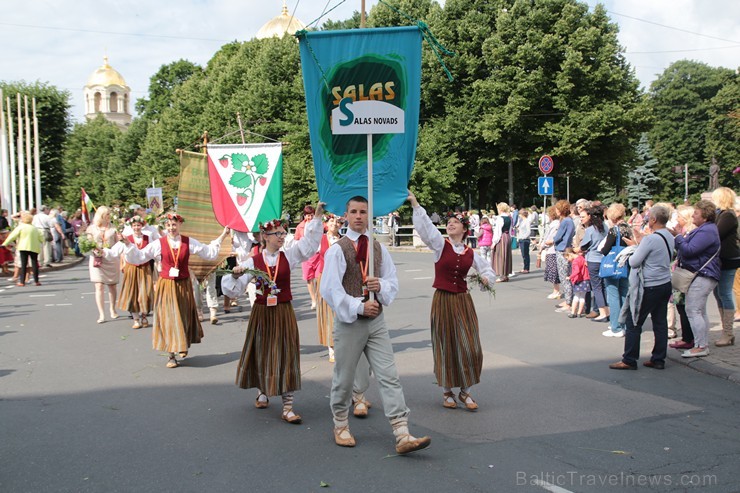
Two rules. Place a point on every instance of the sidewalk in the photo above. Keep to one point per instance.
(722, 362)
(66, 263)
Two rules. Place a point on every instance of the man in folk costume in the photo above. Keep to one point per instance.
(360, 327)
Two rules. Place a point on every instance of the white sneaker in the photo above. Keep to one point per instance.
(553, 296)
(610, 333)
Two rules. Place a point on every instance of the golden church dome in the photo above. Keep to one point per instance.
(280, 25)
(106, 76)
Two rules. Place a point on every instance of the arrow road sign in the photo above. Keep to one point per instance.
(544, 185)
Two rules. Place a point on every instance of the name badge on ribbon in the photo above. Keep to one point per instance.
(365, 291)
(174, 272)
(272, 300)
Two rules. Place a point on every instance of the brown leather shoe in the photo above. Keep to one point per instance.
(343, 437)
(466, 399)
(622, 366)
(656, 365)
(592, 315)
(407, 444)
(290, 416)
(261, 404)
(449, 401)
(361, 408)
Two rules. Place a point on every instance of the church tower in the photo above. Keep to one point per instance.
(106, 93)
(280, 25)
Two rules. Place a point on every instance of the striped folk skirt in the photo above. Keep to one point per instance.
(324, 318)
(270, 360)
(502, 256)
(458, 357)
(176, 325)
(137, 289)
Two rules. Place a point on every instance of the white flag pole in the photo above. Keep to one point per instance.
(21, 162)
(36, 158)
(370, 215)
(11, 154)
(29, 160)
(5, 169)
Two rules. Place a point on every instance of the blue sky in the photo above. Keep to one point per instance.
(63, 41)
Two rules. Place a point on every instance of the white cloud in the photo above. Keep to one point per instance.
(66, 58)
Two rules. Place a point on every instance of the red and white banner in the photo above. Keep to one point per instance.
(246, 184)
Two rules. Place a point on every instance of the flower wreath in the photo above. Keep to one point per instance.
(274, 224)
(135, 219)
(463, 219)
(172, 216)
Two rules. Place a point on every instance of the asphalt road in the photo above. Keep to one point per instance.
(91, 408)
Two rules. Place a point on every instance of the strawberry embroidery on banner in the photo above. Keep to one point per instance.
(247, 175)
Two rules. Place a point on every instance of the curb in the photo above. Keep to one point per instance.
(707, 367)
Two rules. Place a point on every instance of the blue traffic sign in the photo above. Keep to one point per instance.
(544, 185)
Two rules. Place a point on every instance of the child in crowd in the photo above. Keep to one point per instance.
(580, 280)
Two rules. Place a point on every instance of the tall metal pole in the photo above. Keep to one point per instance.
(21, 168)
(686, 182)
(36, 158)
(567, 187)
(370, 211)
(511, 183)
(11, 153)
(5, 170)
(29, 160)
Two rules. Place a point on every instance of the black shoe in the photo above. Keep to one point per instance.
(572, 315)
(656, 365)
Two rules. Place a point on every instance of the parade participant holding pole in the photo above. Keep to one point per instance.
(359, 326)
(176, 324)
(458, 357)
(270, 359)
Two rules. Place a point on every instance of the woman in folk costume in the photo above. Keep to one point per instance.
(458, 357)
(324, 314)
(502, 242)
(137, 288)
(270, 360)
(176, 324)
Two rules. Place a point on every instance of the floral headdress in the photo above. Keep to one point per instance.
(460, 217)
(135, 219)
(332, 216)
(172, 216)
(271, 225)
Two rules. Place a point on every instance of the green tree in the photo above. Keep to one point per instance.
(351, 23)
(680, 99)
(559, 85)
(162, 85)
(88, 163)
(723, 132)
(52, 110)
(642, 180)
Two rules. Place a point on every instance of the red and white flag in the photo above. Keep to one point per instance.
(246, 184)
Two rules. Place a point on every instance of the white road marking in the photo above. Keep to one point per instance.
(412, 270)
(90, 293)
(58, 304)
(41, 295)
(550, 487)
(421, 278)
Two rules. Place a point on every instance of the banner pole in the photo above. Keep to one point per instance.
(370, 214)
